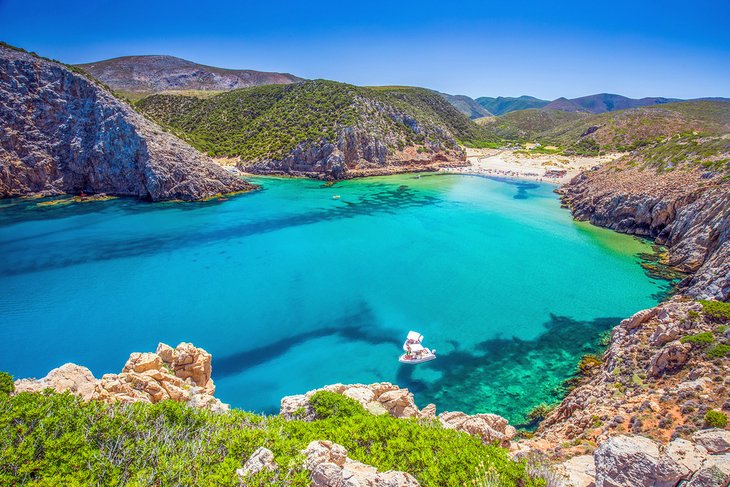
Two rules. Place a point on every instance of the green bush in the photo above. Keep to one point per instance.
(715, 419)
(703, 338)
(589, 362)
(718, 351)
(6, 383)
(57, 439)
(716, 310)
(331, 405)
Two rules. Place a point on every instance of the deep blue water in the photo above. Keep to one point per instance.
(290, 289)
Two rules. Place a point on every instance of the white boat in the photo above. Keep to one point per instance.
(416, 353)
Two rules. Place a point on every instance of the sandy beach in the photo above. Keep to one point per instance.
(516, 164)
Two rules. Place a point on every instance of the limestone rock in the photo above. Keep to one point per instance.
(715, 441)
(68, 377)
(261, 459)
(62, 132)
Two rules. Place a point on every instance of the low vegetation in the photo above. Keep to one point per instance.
(56, 439)
(715, 419)
(716, 310)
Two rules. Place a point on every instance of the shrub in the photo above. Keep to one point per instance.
(331, 405)
(715, 419)
(718, 351)
(703, 338)
(716, 310)
(6, 383)
(588, 362)
(57, 439)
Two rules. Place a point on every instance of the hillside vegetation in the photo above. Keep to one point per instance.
(663, 136)
(268, 122)
(56, 439)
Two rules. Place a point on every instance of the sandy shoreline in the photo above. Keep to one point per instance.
(512, 163)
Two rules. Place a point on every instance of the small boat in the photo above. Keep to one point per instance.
(336, 197)
(416, 353)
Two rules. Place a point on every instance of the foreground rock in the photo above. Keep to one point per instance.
(181, 374)
(61, 132)
(686, 210)
(634, 461)
(330, 467)
(387, 398)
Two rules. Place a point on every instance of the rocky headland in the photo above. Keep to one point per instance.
(65, 133)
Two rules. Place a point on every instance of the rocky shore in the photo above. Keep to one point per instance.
(61, 132)
(686, 209)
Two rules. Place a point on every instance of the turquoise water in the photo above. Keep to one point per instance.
(290, 289)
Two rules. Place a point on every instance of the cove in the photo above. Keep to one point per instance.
(290, 289)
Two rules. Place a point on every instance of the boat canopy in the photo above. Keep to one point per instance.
(414, 335)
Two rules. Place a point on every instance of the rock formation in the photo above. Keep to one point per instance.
(330, 467)
(649, 382)
(685, 209)
(61, 132)
(387, 398)
(181, 374)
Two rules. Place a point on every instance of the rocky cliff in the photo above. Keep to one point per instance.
(686, 209)
(61, 132)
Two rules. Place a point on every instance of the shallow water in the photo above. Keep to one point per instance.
(290, 289)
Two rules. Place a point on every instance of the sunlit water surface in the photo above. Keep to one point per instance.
(290, 289)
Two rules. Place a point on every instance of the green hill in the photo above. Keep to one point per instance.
(318, 127)
(505, 104)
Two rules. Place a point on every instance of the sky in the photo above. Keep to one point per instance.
(542, 48)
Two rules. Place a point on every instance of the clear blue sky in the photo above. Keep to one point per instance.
(478, 48)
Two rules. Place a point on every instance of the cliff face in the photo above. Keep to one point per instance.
(62, 133)
(683, 209)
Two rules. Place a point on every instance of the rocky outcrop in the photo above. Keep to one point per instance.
(686, 210)
(387, 398)
(329, 466)
(378, 398)
(68, 377)
(181, 374)
(61, 132)
(491, 428)
(652, 380)
(262, 459)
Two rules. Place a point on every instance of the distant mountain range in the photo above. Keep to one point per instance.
(504, 104)
(468, 106)
(154, 74)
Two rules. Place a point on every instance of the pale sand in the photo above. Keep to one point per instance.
(511, 163)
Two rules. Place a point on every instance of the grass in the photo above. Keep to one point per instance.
(56, 439)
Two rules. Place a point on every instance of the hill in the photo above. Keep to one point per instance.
(606, 102)
(505, 104)
(70, 135)
(466, 105)
(320, 128)
(153, 74)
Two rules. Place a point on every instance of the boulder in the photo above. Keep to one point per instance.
(671, 356)
(68, 377)
(488, 427)
(638, 318)
(579, 471)
(626, 461)
(713, 440)
(261, 459)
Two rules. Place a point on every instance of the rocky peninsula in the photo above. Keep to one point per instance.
(65, 133)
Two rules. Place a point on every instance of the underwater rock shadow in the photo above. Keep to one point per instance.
(353, 327)
(502, 375)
